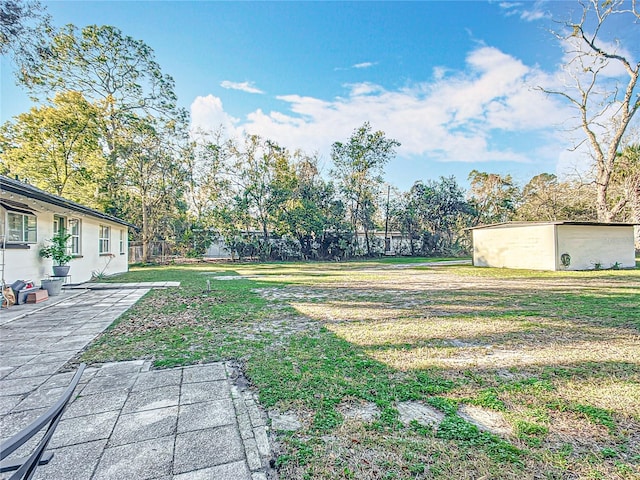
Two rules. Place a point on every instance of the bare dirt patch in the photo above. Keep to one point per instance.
(361, 411)
(279, 326)
(287, 421)
(421, 413)
(486, 420)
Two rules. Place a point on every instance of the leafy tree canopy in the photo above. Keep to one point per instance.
(24, 31)
(57, 148)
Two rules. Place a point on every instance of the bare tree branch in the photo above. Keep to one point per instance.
(605, 105)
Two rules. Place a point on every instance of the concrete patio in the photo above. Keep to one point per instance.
(125, 419)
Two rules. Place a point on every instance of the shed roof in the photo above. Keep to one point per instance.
(20, 188)
(559, 222)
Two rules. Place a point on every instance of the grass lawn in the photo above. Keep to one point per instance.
(529, 374)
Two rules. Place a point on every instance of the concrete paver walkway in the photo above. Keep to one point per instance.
(125, 420)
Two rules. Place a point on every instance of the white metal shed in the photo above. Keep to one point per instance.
(559, 245)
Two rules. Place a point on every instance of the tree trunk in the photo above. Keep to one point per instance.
(354, 225)
(607, 213)
(635, 213)
(602, 184)
(367, 242)
(146, 237)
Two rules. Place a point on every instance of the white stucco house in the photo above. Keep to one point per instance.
(29, 217)
(561, 245)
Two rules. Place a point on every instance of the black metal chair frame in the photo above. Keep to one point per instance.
(26, 467)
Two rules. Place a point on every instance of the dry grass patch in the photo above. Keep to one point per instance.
(354, 451)
(454, 331)
(492, 335)
(619, 395)
(499, 356)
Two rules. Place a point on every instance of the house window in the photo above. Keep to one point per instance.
(21, 228)
(105, 237)
(59, 224)
(74, 231)
(122, 242)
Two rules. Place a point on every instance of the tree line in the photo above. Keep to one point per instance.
(107, 132)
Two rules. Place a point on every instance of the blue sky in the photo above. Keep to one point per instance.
(452, 81)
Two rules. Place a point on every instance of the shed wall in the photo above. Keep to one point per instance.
(593, 246)
(527, 246)
(218, 249)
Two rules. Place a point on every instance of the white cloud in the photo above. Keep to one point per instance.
(207, 113)
(364, 88)
(533, 11)
(363, 65)
(532, 15)
(461, 116)
(509, 5)
(242, 86)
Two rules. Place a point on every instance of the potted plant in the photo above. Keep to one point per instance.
(58, 251)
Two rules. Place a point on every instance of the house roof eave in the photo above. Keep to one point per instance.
(20, 188)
